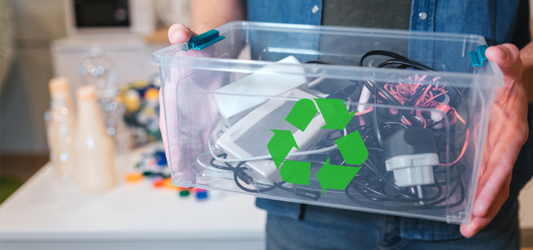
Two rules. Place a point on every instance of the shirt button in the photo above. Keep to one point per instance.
(422, 15)
(315, 9)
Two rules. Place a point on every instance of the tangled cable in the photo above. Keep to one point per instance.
(374, 186)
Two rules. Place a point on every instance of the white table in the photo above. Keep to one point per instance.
(46, 214)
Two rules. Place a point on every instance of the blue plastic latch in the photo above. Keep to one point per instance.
(478, 58)
(204, 40)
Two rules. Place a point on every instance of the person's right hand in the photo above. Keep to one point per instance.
(179, 33)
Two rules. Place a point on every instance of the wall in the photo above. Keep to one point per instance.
(24, 96)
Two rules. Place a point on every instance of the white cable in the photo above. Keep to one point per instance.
(263, 157)
(204, 165)
(363, 98)
(315, 82)
(201, 163)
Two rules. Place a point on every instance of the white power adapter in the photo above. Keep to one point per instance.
(238, 98)
(249, 137)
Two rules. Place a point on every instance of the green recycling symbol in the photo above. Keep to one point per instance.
(351, 146)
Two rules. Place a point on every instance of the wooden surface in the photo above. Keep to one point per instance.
(21, 166)
(526, 206)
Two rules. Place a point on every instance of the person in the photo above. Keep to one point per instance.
(508, 153)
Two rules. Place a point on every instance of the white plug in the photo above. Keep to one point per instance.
(413, 170)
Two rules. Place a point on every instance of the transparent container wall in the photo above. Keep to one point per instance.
(308, 135)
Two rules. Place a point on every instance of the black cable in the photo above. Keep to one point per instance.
(316, 62)
(375, 120)
(382, 53)
(407, 63)
(375, 186)
(239, 175)
(212, 162)
(403, 207)
(240, 169)
(365, 188)
(375, 190)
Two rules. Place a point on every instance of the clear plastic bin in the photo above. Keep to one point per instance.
(283, 125)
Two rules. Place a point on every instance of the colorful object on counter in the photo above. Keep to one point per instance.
(132, 100)
(152, 94)
(153, 166)
(161, 158)
(142, 110)
(184, 193)
(134, 177)
(158, 183)
(201, 194)
(167, 183)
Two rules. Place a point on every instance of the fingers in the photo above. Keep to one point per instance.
(507, 56)
(507, 132)
(178, 33)
(469, 230)
(495, 183)
(494, 194)
(478, 223)
(498, 172)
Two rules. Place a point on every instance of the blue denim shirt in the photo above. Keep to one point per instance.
(499, 21)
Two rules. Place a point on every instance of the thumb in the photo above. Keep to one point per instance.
(179, 33)
(507, 56)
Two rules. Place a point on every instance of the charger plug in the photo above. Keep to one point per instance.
(411, 154)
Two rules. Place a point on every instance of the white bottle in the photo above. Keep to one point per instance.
(95, 161)
(61, 128)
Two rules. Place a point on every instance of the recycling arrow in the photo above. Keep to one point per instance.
(335, 113)
(296, 172)
(335, 176)
(351, 146)
(281, 145)
(302, 113)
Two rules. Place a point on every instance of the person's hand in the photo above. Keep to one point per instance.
(178, 33)
(508, 131)
(186, 109)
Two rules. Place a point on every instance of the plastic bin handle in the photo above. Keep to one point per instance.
(204, 40)
(478, 58)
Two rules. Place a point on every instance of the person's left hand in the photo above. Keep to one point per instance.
(508, 131)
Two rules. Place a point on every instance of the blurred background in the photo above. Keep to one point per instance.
(40, 40)
(107, 44)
